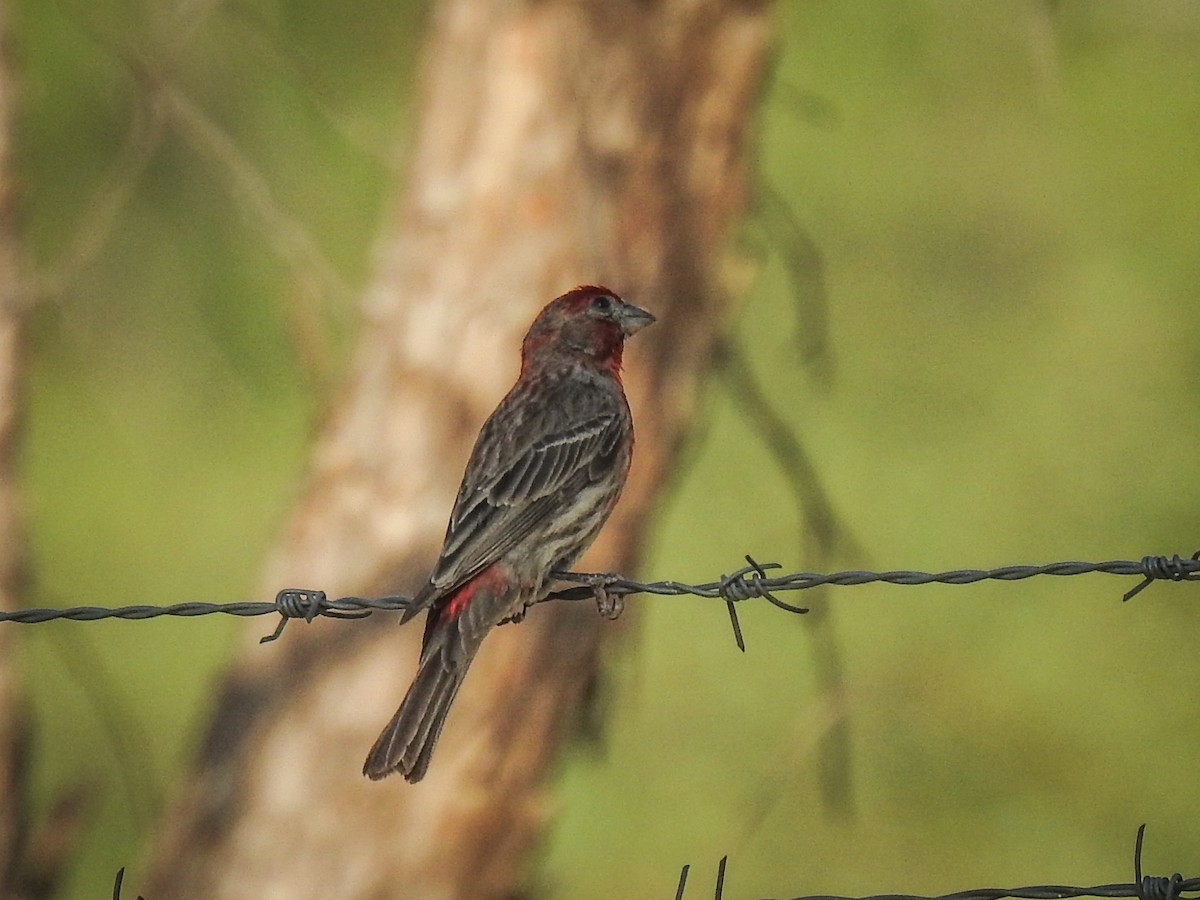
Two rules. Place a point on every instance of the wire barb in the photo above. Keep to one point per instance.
(298, 603)
(737, 626)
(720, 891)
(683, 874)
(120, 879)
(1159, 568)
(1151, 887)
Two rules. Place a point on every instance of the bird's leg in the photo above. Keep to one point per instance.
(610, 606)
(516, 617)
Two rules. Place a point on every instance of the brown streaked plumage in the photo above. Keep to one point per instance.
(546, 471)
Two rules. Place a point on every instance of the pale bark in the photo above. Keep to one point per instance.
(559, 142)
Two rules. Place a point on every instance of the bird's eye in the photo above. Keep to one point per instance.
(603, 303)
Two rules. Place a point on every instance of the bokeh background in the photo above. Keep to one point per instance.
(1004, 199)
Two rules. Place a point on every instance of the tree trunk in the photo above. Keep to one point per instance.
(13, 785)
(560, 142)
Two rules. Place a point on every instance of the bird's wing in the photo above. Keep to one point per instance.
(528, 457)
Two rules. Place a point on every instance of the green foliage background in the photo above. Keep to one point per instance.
(1006, 202)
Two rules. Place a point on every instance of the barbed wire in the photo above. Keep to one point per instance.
(609, 590)
(1148, 887)
(1144, 887)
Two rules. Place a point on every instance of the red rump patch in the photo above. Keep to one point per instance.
(490, 580)
(458, 601)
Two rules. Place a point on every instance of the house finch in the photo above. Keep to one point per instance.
(546, 471)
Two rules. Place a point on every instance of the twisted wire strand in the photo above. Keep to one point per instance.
(750, 582)
(1039, 892)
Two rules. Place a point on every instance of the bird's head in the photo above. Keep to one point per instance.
(588, 324)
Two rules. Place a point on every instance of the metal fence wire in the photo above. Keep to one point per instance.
(749, 582)
(1143, 887)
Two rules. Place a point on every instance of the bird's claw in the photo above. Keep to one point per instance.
(516, 617)
(610, 606)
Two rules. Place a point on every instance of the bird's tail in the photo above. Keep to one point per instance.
(407, 742)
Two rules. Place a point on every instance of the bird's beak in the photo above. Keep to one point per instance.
(633, 318)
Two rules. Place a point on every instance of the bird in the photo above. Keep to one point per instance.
(545, 473)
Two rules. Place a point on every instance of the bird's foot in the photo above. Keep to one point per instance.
(610, 606)
(516, 617)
